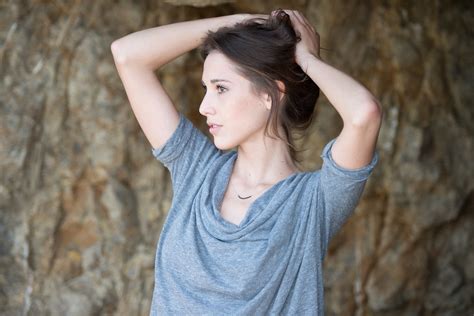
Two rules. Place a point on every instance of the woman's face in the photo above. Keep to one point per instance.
(230, 103)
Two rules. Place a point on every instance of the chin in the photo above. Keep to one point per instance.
(224, 145)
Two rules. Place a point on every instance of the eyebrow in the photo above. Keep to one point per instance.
(216, 80)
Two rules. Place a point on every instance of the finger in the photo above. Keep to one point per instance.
(304, 21)
(294, 19)
(299, 21)
(274, 12)
(292, 14)
(298, 15)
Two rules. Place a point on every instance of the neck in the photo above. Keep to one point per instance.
(263, 165)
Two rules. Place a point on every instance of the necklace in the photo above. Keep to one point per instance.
(244, 198)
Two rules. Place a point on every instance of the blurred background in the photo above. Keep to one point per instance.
(82, 199)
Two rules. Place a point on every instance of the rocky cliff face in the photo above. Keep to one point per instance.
(82, 199)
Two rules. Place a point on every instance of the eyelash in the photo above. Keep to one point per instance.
(218, 87)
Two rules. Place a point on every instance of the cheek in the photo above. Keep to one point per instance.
(255, 113)
(245, 123)
(249, 108)
(244, 115)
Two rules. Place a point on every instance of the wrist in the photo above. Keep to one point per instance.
(239, 17)
(303, 60)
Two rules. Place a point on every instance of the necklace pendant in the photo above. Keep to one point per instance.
(244, 198)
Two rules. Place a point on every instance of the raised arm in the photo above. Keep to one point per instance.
(138, 54)
(359, 109)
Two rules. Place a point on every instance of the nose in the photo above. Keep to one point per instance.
(205, 108)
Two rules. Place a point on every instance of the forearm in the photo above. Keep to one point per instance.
(159, 45)
(352, 100)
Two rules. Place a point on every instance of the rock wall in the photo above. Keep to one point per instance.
(82, 200)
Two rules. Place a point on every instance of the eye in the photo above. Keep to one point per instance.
(219, 87)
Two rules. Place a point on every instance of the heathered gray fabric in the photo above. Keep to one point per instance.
(270, 264)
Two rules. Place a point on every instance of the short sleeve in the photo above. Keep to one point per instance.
(340, 190)
(186, 153)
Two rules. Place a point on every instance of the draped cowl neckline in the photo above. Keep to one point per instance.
(258, 212)
(269, 264)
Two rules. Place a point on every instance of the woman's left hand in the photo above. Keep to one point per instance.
(309, 44)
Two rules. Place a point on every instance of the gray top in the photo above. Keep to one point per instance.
(270, 264)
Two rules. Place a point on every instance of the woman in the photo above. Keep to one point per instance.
(247, 231)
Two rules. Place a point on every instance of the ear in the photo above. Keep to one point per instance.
(282, 87)
(268, 99)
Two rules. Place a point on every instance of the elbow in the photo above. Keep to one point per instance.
(371, 114)
(119, 56)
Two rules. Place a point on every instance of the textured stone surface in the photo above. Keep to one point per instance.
(82, 200)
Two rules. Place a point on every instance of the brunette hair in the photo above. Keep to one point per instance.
(264, 51)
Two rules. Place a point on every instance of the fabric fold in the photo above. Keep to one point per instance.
(269, 264)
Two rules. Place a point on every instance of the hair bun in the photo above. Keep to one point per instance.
(280, 14)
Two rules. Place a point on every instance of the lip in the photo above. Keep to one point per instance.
(214, 128)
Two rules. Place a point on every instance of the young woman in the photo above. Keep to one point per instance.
(247, 231)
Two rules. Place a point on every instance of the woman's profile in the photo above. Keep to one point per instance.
(248, 230)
